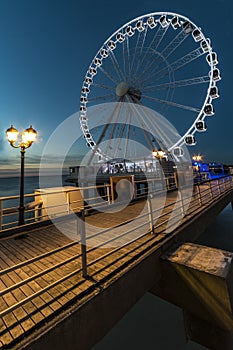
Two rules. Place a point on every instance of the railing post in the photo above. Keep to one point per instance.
(225, 183)
(153, 185)
(176, 179)
(199, 194)
(1, 213)
(68, 202)
(150, 212)
(219, 187)
(228, 182)
(108, 194)
(82, 228)
(181, 201)
(211, 191)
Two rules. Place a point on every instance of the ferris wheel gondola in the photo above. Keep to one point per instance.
(160, 60)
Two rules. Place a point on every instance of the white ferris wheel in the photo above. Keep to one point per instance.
(162, 61)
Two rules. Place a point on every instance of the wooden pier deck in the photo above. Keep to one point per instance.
(41, 274)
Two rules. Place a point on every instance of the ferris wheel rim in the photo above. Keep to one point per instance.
(201, 115)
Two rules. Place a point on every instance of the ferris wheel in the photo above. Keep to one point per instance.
(162, 61)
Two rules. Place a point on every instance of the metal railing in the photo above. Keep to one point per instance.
(49, 204)
(204, 193)
(45, 204)
(150, 221)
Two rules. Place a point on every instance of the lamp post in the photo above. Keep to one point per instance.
(159, 154)
(197, 157)
(28, 136)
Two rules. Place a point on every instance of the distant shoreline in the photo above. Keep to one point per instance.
(6, 176)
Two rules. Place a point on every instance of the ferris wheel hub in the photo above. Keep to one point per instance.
(122, 89)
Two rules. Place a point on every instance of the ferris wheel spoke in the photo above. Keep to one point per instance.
(108, 75)
(179, 83)
(126, 57)
(156, 41)
(143, 40)
(171, 103)
(135, 51)
(139, 46)
(181, 62)
(191, 56)
(174, 44)
(166, 52)
(103, 86)
(147, 69)
(116, 66)
(109, 97)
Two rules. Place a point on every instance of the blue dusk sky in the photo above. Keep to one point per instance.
(47, 46)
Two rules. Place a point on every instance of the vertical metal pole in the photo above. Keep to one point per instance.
(228, 182)
(21, 195)
(145, 165)
(1, 213)
(219, 187)
(153, 184)
(211, 192)
(199, 194)
(108, 194)
(112, 190)
(83, 244)
(68, 201)
(176, 180)
(150, 212)
(181, 201)
(225, 183)
(161, 173)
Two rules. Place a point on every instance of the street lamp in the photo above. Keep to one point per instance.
(159, 154)
(197, 158)
(28, 136)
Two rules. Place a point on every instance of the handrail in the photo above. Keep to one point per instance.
(36, 211)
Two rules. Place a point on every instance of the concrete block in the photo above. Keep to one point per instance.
(199, 279)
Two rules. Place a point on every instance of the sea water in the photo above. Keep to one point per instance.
(10, 186)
